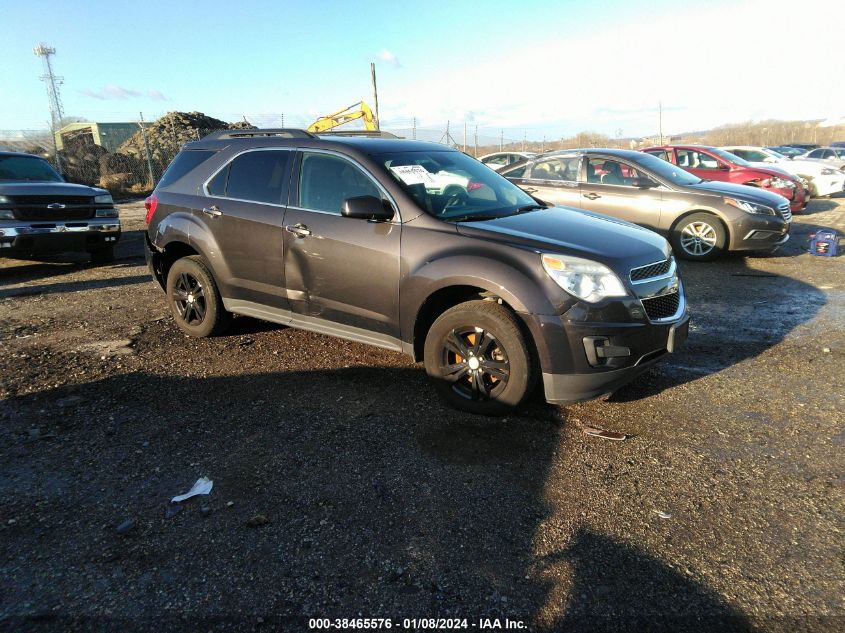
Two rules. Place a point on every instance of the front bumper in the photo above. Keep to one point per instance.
(582, 360)
(753, 232)
(48, 238)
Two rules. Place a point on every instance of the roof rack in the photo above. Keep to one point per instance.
(369, 133)
(284, 132)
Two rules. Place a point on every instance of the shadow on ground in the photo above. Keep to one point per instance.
(372, 504)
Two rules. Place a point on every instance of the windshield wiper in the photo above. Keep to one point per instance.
(531, 207)
(474, 217)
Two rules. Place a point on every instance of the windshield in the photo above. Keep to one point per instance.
(727, 156)
(774, 154)
(453, 187)
(666, 170)
(27, 168)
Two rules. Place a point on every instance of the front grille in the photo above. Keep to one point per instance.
(662, 307)
(35, 208)
(785, 212)
(657, 269)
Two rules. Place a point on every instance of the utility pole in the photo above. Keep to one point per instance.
(283, 119)
(660, 119)
(147, 149)
(524, 138)
(476, 141)
(414, 129)
(544, 145)
(375, 94)
(53, 82)
(465, 137)
(501, 140)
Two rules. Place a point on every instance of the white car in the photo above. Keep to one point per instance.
(823, 179)
(500, 160)
(833, 156)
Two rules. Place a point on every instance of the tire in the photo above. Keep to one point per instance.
(194, 299)
(699, 237)
(103, 255)
(490, 338)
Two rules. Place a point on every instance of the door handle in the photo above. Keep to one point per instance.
(529, 189)
(300, 230)
(592, 196)
(214, 211)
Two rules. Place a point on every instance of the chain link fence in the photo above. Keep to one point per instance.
(128, 158)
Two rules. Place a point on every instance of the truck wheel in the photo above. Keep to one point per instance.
(699, 237)
(479, 359)
(103, 255)
(194, 299)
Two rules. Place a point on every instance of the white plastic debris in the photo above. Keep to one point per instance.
(202, 487)
(663, 515)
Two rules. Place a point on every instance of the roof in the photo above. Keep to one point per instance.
(21, 154)
(609, 151)
(367, 144)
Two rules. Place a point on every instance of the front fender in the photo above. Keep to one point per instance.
(521, 290)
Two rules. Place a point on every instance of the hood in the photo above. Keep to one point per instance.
(743, 192)
(779, 167)
(568, 231)
(48, 189)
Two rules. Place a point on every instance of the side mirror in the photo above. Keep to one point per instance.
(367, 208)
(724, 167)
(644, 183)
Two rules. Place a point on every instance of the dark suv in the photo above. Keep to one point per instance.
(418, 248)
(41, 214)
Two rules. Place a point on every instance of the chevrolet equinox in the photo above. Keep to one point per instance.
(418, 248)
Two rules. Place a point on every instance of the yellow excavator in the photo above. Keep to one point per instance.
(331, 121)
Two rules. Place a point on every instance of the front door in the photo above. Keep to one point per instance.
(342, 274)
(609, 189)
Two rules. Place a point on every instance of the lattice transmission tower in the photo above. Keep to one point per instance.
(52, 81)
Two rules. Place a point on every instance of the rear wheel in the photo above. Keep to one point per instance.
(194, 299)
(699, 236)
(479, 359)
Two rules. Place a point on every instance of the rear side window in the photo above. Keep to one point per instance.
(259, 176)
(184, 163)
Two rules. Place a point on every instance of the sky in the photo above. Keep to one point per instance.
(535, 69)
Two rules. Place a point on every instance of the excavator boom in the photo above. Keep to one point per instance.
(331, 121)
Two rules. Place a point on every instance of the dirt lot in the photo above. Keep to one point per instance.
(722, 511)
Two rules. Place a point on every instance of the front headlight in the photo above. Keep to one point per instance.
(749, 207)
(103, 198)
(6, 214)
(583, 278)
(105, 213)
(781, 183)
(4, 200)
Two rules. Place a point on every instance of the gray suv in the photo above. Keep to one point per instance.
(41, 214)
(702, 218)
(418, 248)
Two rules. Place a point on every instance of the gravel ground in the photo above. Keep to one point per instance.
(344, 488)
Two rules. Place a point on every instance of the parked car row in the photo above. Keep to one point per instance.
(823, 179)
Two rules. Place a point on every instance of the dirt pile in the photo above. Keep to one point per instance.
(166, 135)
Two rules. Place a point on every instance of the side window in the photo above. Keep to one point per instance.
(610, 172)
(559, 168)
(325, 181)
(258, 176)
(691, 159)
(184, 163)
(217, 186)
(496, 160)
(827, 154)
(660, 153)
(742, 153)
(816, 153)
(516, 172)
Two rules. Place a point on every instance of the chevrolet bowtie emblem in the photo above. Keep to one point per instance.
(56, 205)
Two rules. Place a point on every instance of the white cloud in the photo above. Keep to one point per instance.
(708, 68)
(388, 57)
(112, 92)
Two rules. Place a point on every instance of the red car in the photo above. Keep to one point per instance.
(712, 163)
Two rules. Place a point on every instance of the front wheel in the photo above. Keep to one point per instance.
(699, 237)
(479, 359)
(194, 299)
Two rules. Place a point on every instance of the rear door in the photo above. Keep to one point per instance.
(552, 179)
(245, 211)
(342, 274)
(608, 189)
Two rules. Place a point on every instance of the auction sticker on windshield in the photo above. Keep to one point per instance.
(413, 174)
